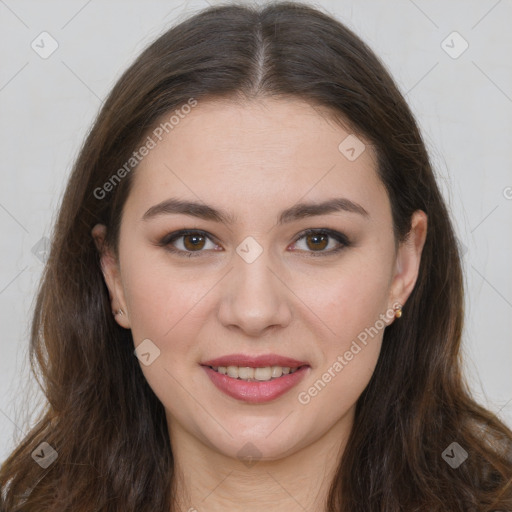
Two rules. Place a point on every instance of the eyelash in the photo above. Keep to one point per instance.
(171, 237)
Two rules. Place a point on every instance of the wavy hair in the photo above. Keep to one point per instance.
(101, 416)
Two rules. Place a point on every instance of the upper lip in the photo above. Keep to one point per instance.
(260, 361)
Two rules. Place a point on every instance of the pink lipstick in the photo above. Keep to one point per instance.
(255, 379)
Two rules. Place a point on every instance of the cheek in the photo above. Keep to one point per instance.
(165, 304)
(353, 309)
(159, 294)
(332, 392)
(351, 306)
(347, 300)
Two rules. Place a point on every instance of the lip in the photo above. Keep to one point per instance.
(255, 361)
(253, 391)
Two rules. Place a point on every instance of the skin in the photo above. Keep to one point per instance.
(255, 159)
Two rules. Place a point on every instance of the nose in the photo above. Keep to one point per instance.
(254, 297)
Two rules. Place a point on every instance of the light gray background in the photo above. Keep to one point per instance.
(464, 106)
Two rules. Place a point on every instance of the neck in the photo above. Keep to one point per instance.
(206, 480)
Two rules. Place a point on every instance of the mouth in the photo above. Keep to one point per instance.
(255, 379)
(258, 374)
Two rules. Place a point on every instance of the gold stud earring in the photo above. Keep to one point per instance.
(398, 310)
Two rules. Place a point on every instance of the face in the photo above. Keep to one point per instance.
(261, 286)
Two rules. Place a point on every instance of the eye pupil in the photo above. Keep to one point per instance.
(196, 241)
(316, 238)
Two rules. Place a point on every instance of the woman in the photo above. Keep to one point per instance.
(254, 293)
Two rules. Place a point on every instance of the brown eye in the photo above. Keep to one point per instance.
(317, 241)
(193, 242)
(320, 242)
(188, 243)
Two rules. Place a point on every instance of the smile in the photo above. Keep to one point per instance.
(256, 384)
(249, 374)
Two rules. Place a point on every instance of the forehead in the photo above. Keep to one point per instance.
(262, 154)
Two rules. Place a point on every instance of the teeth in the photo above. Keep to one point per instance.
(233, 371)
(262, 374)
(277, 371)
(246, 373)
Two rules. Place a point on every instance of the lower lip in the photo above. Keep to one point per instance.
(256, 392)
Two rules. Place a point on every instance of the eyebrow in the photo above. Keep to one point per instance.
(296, 212)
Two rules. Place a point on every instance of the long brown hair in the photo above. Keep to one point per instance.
(102, 418)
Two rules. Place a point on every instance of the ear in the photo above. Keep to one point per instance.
(408, 259)
(112, 276)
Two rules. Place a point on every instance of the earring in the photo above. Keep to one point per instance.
(398, 310)
(119, 312)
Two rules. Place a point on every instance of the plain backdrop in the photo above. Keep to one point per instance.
(459, 86)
